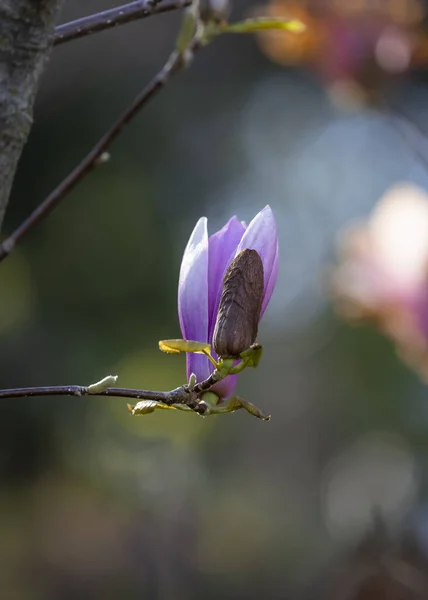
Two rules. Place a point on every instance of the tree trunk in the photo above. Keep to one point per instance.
(26, 35)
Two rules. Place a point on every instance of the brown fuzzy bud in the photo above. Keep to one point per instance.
(240, 305)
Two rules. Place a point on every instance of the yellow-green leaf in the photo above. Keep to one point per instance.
(236, 403)
(145, 407)
(176, 346)
(261, 24)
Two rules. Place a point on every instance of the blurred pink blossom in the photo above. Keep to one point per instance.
(382, 273)
(355, 48)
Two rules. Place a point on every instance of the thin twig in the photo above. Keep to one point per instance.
(82, 390)
(175, 63)
(181, 395)
(185, 394)
(182, 398)
(118, 15)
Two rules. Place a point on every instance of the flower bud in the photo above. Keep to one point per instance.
(204, 264)
(240, 305)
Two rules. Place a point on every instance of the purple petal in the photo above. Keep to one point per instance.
(225, 387)
(199, 365)
(261, 235)
(271, 282)
(193, 297)
(222, 246)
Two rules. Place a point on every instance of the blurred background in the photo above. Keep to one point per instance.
(329, 500)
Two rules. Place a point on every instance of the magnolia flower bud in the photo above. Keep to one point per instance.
(240, 305)
(205, 262)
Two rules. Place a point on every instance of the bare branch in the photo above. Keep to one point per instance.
(180, 395)
(26, 29)
(188, 397)
(118, 15)
(176, 62)
(183, 395)
(193, 35)
(81, 390)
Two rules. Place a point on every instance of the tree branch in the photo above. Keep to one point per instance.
(119, 15)
(176, 62)
(183, 395)
(192, 36)
(26, 28)
(179, 395)
(186, 397)
(82, 390)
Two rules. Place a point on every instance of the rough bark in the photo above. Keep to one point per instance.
(26, 35)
